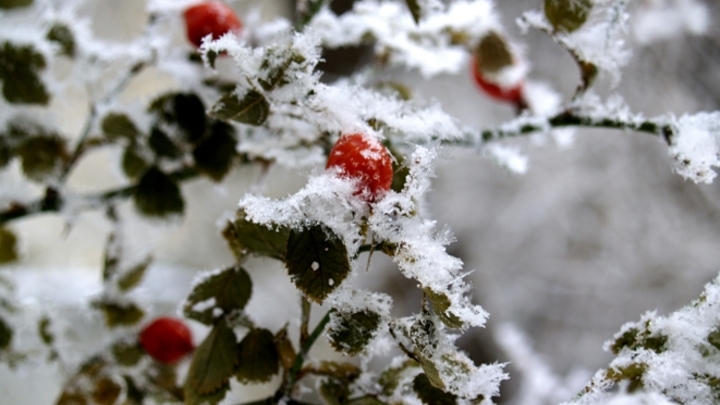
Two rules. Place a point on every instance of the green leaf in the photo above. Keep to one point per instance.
(8, 4)
(6, 334)
(6, 151)
(62, 34)
(493, 53)
(42, 156)
(258, 358)
(285, 349)
(20, 68)
(352, 331)
(259, 239)
(193, 397)
(127, 354)
(214, 155)
(8, 246)
(117, 314)
(162, 145)
(390, 378)
(334, 392)
(252, 109)
(430, 395)
(214, 361)
(133, 164)
(44, 331)
(158, 195)
(317, 261)
(230, 290)
(415, 10)
(366, 400)
(105, 391)
(186, 110)
(441, 304)
(116, 125)
(133, 276)
(567, 15)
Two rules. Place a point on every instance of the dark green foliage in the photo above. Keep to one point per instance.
(252, 109)
(353, 331)
(430, 395)
(62, 34)
(158, 195)
(317, 261)
(214, 155)
(567, 15)
(251, 238)
(162, 145)
(42, 156)
(213, 363)
(8, 246)
(118, 125)
(117, 314)
(6, 334)
(230, 289)
(258, 358)
(20, 68)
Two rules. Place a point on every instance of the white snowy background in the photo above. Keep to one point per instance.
(592, 236)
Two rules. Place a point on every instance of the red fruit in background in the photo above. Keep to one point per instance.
(166, 340)
(512, 94)
(364, 158)
(210, 18)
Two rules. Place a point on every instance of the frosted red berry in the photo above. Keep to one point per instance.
(364, 158)
(511, 94)
(166, 340)
(210, 18)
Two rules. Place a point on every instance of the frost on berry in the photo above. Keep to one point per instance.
(365, 160)
(212, 18)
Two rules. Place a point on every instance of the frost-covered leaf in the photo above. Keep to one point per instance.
(219, 294)
(259, 239)
(252, 108)
(366, 400)
(6, 334)
(275, 66)
(116, 125)
(8, 4)
(130, 278)
(214, 155)
(257, 357)
(20, 68)
(8, 246)
(127, 354)
(42, 156)
(351, 332)
(441, 305)
(133, 163)
(162, 144)
(334, 392)
(62, 34)
(214, 362)
(117, 314)
(429, 394)
(317, 261)
(567, 15)
(158, 195)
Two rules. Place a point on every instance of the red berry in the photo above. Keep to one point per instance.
(512, 94)
(166, 340)
(210, 18)
(364, 158)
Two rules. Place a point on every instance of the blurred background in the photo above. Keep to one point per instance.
(593, 236)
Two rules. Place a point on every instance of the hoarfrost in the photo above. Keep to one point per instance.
(695, 146)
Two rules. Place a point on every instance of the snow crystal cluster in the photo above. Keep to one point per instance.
(695, 146)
